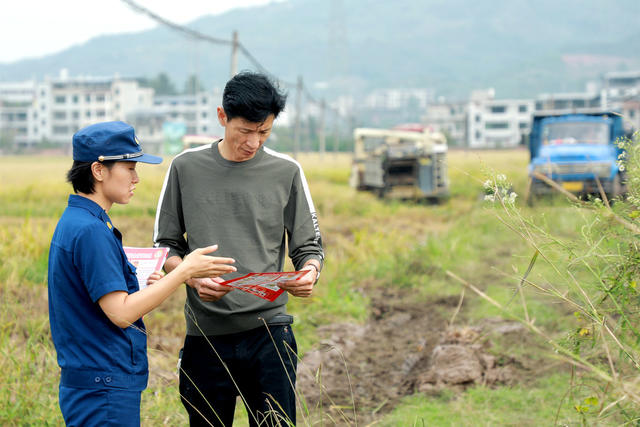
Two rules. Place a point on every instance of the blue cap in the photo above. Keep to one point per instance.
(109, 141)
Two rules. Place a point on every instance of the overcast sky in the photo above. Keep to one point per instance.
(33, 28)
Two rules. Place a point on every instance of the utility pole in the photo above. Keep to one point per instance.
(234, 54)
(321, 135)
(335, 135)
(296, 129)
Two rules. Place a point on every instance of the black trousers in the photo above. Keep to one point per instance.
(261, 368)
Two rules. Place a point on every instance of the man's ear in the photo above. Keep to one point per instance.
(222, 117)
(97, 169)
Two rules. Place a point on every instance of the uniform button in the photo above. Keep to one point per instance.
(107, 379)
(97, 379)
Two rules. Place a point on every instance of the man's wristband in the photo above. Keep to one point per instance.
(317, 271)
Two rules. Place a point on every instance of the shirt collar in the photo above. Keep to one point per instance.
(95, 209)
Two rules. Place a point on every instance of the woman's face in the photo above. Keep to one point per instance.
(119, 182)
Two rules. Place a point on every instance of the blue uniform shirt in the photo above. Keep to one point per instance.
(86, 262)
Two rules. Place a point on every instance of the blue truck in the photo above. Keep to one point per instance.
(576, 150)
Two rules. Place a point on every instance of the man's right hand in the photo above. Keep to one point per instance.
(209, 289)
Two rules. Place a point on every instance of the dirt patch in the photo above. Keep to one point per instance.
(404, 348)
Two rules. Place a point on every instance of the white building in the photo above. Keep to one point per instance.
(17, 113)
(395, 99)
(483, 121)
(450, 119)
(498, 123)
(570, 100)
(197, 112)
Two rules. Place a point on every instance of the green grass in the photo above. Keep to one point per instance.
(537, 404)
(368, 242)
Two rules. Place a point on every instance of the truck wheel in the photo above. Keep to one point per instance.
(616, 187)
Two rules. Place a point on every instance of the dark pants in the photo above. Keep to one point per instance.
(263, 371)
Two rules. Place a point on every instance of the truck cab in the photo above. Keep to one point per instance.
(576, 150)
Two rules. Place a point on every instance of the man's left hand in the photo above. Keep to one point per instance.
(303, 287)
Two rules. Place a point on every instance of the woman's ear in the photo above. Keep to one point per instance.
(97, 169)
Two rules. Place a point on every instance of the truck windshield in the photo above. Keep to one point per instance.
(576, 133)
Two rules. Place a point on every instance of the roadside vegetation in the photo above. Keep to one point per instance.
(566, 271)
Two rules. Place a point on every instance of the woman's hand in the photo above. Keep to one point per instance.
(154, 277)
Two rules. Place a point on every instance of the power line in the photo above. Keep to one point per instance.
(300, 87)
(181, 28)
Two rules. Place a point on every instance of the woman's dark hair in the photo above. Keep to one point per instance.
(252, 96)
(81, 177)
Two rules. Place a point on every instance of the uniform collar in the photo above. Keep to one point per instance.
(95, 209)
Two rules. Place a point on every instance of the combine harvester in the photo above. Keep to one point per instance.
(406, 162)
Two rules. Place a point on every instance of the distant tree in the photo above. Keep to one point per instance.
(192, 85)
(161, 83)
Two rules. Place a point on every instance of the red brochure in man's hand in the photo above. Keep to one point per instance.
(264, 285)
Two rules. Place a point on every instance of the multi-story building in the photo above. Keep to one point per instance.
(483, 121)
(450, 119)
(498, 123)
(394, 99)
(197, 112)
(17, 113)
(570, 101)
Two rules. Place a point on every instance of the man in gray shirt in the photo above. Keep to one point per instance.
(254, 203)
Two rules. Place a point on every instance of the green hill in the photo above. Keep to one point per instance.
(520, 47)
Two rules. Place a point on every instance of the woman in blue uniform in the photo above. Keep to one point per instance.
(95, 304)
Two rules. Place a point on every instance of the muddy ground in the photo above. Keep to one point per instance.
(405, 347)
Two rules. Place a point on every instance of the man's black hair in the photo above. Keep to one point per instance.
(81, 177)
(252, 96)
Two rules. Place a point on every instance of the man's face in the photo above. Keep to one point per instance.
(242, 138)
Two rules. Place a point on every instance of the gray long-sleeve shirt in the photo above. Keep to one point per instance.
(252, 210)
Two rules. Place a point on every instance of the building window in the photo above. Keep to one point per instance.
(117, 91)
(204, 114)
(60, 99)
(522, 108)
(578, 103)
(100, 114)
(59, 115)
(100, 98)
(117, 105)
(523, 125)
(75, 99)
(87, 98)
(75, 114)
(204, 100)
(538, 105)
(477, 118)
(478, 134)
(498, 109)
(87, 113)
(632, 114)
(496, 125)
(43, 107)
(60, 130)
(204, 129)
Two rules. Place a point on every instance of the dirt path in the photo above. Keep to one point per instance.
(404, 348)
